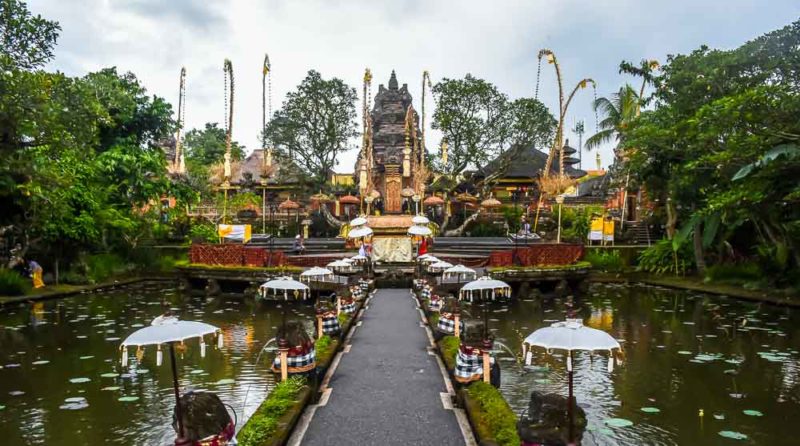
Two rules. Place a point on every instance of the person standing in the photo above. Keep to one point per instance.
(36, 274)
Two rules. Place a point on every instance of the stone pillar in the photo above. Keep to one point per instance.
(319, 325)
(283, 351)
(487, 365)
(457, 323)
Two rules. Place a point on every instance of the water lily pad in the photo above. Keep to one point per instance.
(110, 388)
(733, 435)
(684, 352)
(752, 413)
(40, 362)
(16, 393)
(196, 372)
(142, 371)
(618, 422)
(2, 407)
(74, 399)
(128, 399)
(109, 375)
(225, 381)
(74, 403)
(87, 357)
(79, 380)
(719, 416)
(651, 409)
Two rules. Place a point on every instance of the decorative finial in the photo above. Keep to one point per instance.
(393, 81)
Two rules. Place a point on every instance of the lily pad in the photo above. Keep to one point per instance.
(109, 375)
(196, 372)
(2, 407)
(87, 357)
(128, 399)
(75, 403)
(733, 435)
(142, 371)
(651, 409)
(752, 413)
(79, 380)
(225, 381)
(719, 416)
(110, 388)
(40, 362)
(684, 352)
(618, 422)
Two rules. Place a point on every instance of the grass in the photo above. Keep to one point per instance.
(324, 346)
(491, 416)
(571, 266)
(449, 347)
(264, 423)
(270, 269)
(605, 260)
(13, 284)
(433, 320)
(343, 318)
(734, 273)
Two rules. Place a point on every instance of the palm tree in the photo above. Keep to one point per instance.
(618, 111)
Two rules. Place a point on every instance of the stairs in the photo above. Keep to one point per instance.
(637, 233)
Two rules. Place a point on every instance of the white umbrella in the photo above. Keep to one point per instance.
(341, 266)
(358, 257)
(428, 259)
(316, 273)
(571, 335)
(361, 231)
(169, 330)
(284, 284)
(358, 221)
(420, 220)
(419, 230)
(483, 284)
(441, 265)
(459, 271)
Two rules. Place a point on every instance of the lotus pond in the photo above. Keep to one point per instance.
(698, 369)
(61, 381)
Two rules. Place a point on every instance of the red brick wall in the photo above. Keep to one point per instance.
(234, 255)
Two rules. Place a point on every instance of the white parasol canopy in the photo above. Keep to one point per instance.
(460, 271)
(419, 230)
(429, 259)
(482, 285)
(316, 273)
(439, 266)
(358, 221)
(420, 220)
(361, 231)
(169, 330)
(424, 256)
(284, 284)
(571, 335)
(358, 258)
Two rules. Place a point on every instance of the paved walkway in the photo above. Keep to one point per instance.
(386, 389)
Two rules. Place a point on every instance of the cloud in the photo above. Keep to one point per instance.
(496, 41)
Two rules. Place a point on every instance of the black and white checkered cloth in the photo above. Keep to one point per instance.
(435, 305)
(425, 293)
(296, 363)
(348, 307)
(447, 324)
(330, 324)
(364, 284)
(469, 365)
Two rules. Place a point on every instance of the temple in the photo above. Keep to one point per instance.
(390, 168)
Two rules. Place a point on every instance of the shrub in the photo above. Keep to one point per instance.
(100, 267)
(12, 283)
(661, 258)
(449, 348)
(495, 418)
(738, 273)
(203, 233)
(324, 349)
(605, 259)
(343, 318)
(264, 422)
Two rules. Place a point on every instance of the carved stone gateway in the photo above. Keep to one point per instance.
(395, 145)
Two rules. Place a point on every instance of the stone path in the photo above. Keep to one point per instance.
(386, 389)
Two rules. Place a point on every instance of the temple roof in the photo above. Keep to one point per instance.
(529, 163)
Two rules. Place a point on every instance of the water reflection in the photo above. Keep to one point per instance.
(43, 346)
(684, 352)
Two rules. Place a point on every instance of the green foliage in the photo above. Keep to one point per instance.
(242, 201)
(324, 347)
(100, 267)
(575, 224)
(449, 348)
(206, 147)
(12, 284)
(28, 40)
(485, 228)
(513, 216)
(734, 273)
(343, 318)
(263, 424)
(494, 416)
(662, 258)
(315, 124)
(605, 259)
(203, 232)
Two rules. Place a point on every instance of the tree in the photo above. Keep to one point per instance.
(315, 124)
(532, 124)
(27, 41)
(207, 146)
(475, 119)
(618, 112)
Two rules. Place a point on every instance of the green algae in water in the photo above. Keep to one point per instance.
(618, 422)
(733, 435)
(651, 409)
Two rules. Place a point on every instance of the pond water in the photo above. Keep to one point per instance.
(685, 352)
(61, 381)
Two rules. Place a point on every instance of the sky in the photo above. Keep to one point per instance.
(494, 40)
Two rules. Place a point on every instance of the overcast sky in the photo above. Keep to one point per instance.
(495, 40)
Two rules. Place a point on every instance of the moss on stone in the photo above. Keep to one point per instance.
(265, 423)
(491, 416)
(449, 348)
